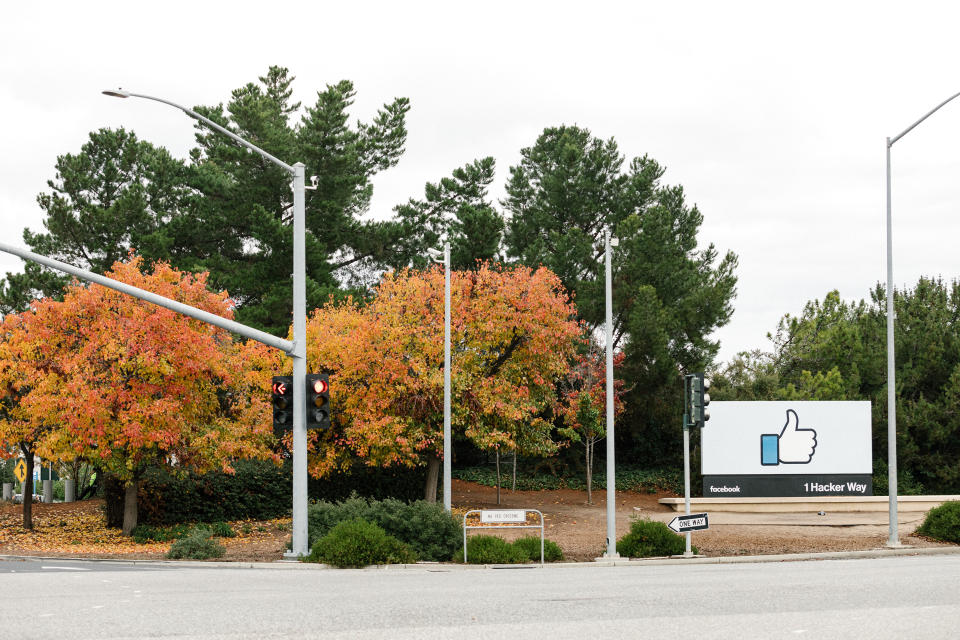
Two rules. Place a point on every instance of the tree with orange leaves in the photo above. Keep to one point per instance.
(19, 434)
(513, 333)
(130, 385)
(582, 409)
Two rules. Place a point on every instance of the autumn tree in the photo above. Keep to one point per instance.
(19, 432)
(133, 386)
(513, 334)
(582, 409)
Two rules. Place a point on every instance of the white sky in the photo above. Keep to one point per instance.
(771, 115)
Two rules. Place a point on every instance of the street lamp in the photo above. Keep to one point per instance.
(299, 351)
(611, 471)
(447, 490)
(894, 539)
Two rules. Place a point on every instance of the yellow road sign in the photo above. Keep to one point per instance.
(20, 470)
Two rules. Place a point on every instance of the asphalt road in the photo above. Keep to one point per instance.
(893, 597)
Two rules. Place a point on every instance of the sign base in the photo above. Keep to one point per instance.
(787, 486)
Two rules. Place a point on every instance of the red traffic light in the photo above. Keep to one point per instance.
(320, 386)
(280, 388)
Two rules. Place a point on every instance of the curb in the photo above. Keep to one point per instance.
(440, 567)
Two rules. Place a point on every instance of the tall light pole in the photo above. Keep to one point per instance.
(894, 539)
(611, 471)
(447, 463)
(299, 351)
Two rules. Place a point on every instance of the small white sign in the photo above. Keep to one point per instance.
(506, 515)
(692, 522)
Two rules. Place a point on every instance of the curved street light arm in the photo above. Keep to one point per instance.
(120, 93)
(890, 141)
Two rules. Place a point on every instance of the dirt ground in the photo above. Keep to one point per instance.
(76, 529)
(581, 529)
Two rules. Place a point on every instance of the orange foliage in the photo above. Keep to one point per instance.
(513, 334)
(131, 385)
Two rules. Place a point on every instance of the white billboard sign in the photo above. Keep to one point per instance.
(787, 448)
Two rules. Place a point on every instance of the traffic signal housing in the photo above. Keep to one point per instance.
(282, 391)
(699, 399)
(318, 401)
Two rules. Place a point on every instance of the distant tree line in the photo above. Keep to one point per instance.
(836, 350)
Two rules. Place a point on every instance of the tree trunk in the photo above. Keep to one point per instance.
(498, 476)
(27, 490)
(130, 507)
(589, 452)
(433, 475)
(514, 488)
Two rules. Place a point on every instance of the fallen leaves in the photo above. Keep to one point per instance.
(80, 528)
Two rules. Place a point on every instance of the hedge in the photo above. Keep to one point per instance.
(259, 490)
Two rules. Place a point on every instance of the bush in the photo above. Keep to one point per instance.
(198, 545)
(530, 545)
(648, 538)
(358, 543)
(943, 523)
(259, 490)
(493, 550)
(221, 530)
(144, 533)
(628, 479)
(426, 527)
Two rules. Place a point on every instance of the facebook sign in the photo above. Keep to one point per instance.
(787, 449)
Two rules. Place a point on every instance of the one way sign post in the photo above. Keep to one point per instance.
(690, 522)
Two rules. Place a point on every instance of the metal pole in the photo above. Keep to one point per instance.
(210, 318)
(894, 538)
(299, 368)
(686, 484)
(299, 346)
(447, 446)
(611, 470)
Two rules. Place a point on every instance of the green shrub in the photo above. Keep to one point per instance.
(648, 538)
(221, 530)
(628, 479)
(358, 543)
(530, 545)
(943, 523)
(144, 533)
(426, 527)
(259, 490)
(493, 550)
(198, 545)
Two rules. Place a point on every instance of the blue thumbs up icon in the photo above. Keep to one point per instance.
(792, 445)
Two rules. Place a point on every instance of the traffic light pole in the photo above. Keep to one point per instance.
(298, 348)
(688, 550)
(299, 355)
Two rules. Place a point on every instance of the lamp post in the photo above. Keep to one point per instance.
(611, 471)
(299, 350)
(447, 490)
(894, 539)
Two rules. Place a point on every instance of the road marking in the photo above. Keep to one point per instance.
(65, 568)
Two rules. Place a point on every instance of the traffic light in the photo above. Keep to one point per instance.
(318, 401)
(699, 399)
(282, 404)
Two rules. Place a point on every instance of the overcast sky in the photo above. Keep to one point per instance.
(773, 116)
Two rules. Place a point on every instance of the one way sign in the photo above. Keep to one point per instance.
(692, 522)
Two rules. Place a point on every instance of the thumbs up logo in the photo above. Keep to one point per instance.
(793, 445)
